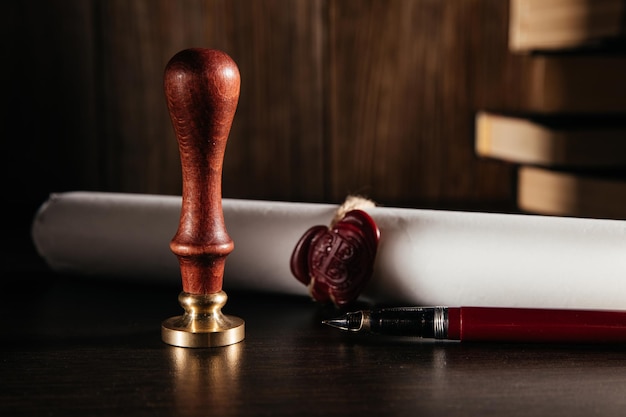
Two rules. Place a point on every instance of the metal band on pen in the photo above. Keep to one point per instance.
(440, 323)
(365, 321)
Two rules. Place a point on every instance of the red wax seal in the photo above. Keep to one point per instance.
(337, 262)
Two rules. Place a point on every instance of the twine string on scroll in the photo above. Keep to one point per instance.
(352, 202)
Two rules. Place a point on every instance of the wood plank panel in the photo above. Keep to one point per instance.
(356, 96)
(48, 99)
(275, 148)
(403, 97)
(135, 41)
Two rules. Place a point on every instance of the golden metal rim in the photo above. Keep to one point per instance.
(174, 334)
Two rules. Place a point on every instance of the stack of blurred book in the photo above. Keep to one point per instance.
(569, 139)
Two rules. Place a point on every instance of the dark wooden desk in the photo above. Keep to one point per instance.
(79, 346)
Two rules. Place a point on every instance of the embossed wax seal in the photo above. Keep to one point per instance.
(337, 262)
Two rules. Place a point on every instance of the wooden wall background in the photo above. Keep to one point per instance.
(375, 97)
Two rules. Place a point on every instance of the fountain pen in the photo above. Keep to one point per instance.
(482, 324)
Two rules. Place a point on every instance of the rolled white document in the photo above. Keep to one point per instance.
(425, 257)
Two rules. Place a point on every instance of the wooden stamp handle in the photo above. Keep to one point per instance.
(202, 92)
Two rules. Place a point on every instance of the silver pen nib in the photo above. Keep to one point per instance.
(350, 322)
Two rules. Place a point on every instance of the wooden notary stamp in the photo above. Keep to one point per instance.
(202, 92)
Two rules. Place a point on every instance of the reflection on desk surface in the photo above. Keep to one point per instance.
(80, 347)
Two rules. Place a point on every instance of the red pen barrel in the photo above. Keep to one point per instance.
(527, 325)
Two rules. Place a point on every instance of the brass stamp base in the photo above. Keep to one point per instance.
(203, 324)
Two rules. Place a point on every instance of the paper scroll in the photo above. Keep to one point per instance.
(426, 257)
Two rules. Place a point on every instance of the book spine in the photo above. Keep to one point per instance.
(563, 24)
(576, 84)
(571, 193)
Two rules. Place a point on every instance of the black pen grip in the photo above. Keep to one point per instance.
(417, 321)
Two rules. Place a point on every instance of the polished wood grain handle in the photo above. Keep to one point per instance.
(202, 92)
